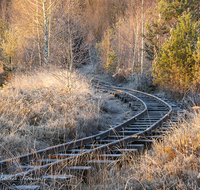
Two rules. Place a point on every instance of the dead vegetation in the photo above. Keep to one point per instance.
(37, 110)
(171, 164)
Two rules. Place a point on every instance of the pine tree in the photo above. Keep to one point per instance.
(106, 51)
(196, 71)
(10, 48)
(175, 66)
(168, 13)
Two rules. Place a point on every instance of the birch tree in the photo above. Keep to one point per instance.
(69, 32)
(38, 14)
(136, 45)
(142, 53)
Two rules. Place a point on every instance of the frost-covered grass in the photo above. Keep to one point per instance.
(173, 163)
(37, 110)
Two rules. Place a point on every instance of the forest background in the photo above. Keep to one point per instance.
(147, 42)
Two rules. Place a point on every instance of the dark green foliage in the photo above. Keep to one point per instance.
(156, 32)
(4, 26)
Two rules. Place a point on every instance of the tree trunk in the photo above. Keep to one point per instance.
(136, 43)
(49, 38)
(38, 33)
(70, 52)
(45, 33)
(142, 53)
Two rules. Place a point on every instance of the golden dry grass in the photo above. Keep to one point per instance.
(38, 111)
(173, 163)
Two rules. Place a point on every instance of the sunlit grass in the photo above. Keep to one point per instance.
(37, 110)
(170, 164)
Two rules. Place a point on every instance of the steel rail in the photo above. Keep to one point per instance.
(63, 147)
(60, 148)
(148, 131)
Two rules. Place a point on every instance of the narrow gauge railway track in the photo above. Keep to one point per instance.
(64, 161)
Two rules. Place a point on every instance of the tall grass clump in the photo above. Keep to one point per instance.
(37, 110)
(172, 163)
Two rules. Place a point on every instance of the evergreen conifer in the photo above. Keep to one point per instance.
(177, 64)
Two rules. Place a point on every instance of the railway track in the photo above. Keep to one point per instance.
(68, 161)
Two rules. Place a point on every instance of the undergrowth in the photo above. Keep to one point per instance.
(37, 111)
(173, 163)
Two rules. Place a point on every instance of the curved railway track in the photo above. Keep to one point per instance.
(65, 161)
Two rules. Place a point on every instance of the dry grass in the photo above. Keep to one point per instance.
(38, 111)
(173, 163)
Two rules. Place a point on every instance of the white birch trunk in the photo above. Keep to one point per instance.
(49, 38)
(142, 53)
(38, 33)
(70, 53)
(45, 33)
(136, 43)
